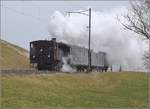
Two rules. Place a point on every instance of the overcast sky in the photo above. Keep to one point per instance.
(25, 21)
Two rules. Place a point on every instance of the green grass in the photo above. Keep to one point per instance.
(12, 56)
(75, 90)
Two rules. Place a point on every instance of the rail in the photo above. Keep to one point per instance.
(23, 71)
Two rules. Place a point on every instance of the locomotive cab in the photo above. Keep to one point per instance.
(42, 53)
(48, 54)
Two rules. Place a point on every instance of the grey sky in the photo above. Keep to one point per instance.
(24, 21)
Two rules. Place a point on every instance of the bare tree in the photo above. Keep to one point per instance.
(146, 60)
(138, 21)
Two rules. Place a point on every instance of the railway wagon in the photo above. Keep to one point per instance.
(49, 55)
(79, 59)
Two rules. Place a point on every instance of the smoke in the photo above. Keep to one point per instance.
(66, 67)
(107, 34)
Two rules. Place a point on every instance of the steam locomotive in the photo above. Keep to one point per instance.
(49, 55)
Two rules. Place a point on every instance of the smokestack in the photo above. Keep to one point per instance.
(54, 39)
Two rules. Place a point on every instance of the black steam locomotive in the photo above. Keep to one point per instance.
(49, 55)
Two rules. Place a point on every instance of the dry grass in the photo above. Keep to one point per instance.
(75, 90)
(12, 56)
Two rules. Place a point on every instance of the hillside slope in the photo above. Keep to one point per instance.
(12, 56)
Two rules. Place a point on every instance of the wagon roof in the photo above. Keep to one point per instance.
(40, 41)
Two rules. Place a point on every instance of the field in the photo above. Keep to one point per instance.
(93, 90)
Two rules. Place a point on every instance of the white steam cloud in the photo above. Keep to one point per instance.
(107, 34)
(66, 67)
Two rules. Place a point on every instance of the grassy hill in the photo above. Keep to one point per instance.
(111, 90)
(12, 56)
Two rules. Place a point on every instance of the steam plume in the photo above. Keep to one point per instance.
(107, 34)
(66, 67)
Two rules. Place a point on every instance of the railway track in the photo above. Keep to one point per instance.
(24, 71)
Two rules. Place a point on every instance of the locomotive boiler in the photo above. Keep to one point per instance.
(49, 55)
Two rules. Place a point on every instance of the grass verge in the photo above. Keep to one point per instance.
(111, 90)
